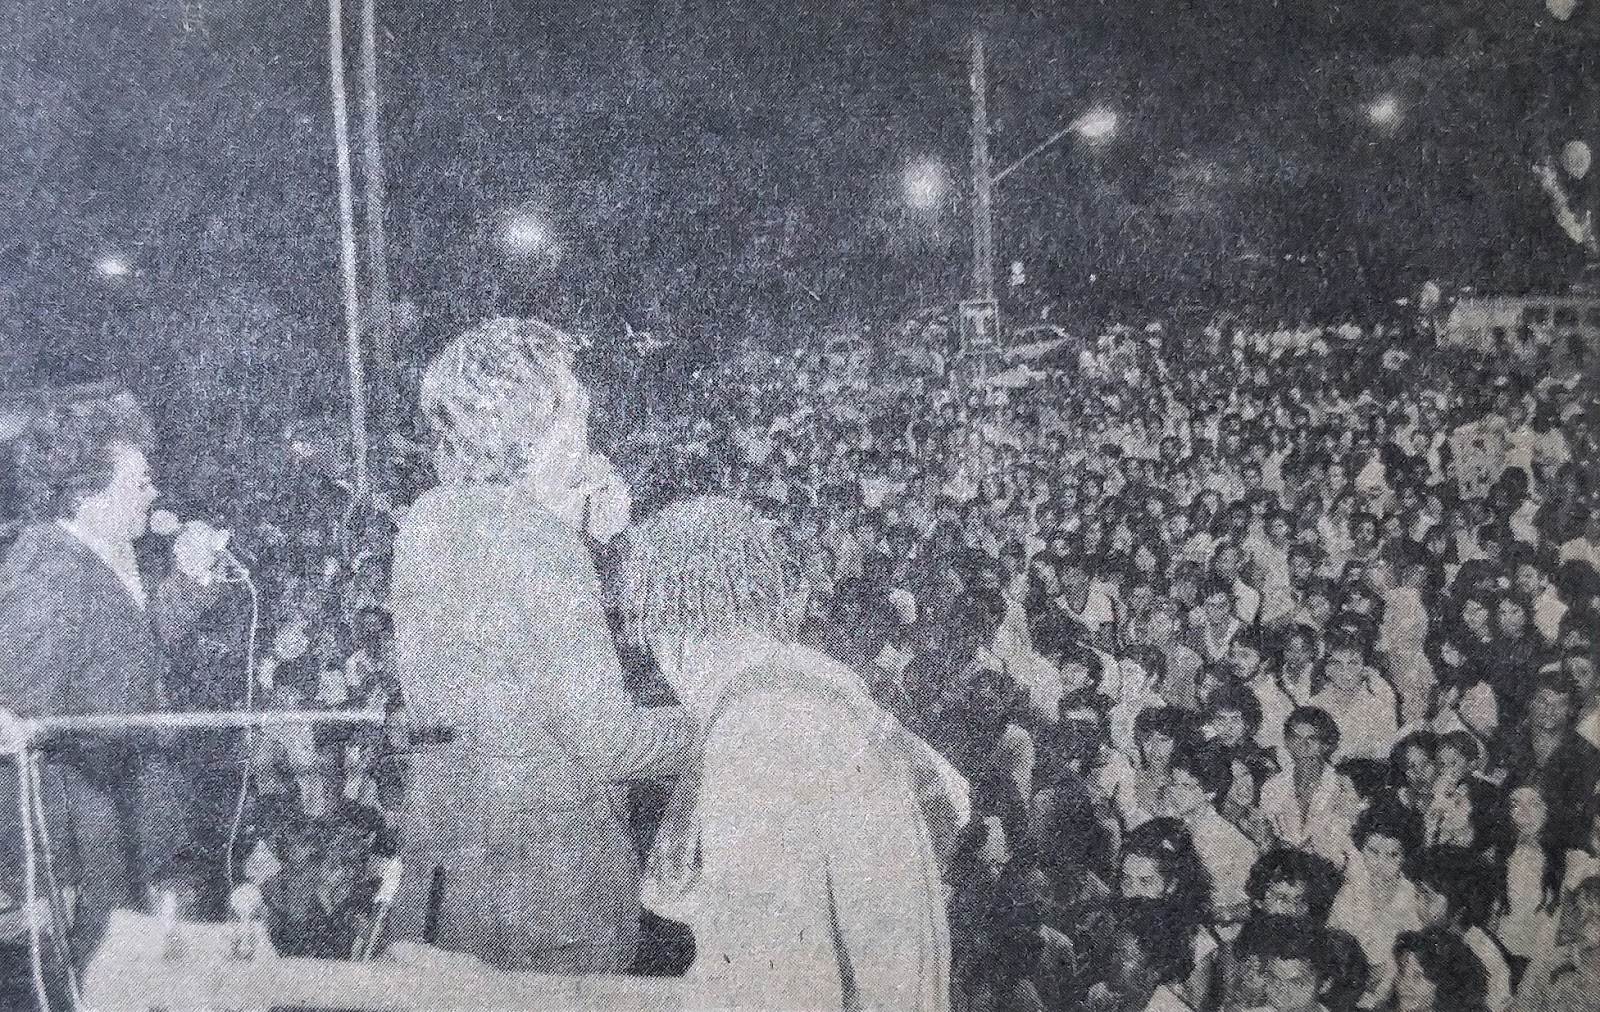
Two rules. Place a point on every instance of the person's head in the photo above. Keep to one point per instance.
(704, 571)
(1295, 966)
(1413, 762)
(1233, 714)
(1159, 862)
(1145, 949)
(1298, 648)
(505, 406)
(1345, 661)
(1475, 614)
(1201, 774)
(1387, 836)
(1310, 735)
(1216, 597)
(1510, 617)
(1458, 756)
(87, 463)
(1244, 655)
(1580, 667)
(1553, 704)
(1528, 813)
(1454, 888)
(1157, 732)
(1436, 972)
(1579, 925)
(1292, 883)
(1531, 576)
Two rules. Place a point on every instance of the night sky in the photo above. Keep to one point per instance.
(723, 169)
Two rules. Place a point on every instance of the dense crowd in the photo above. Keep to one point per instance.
(1268, 658)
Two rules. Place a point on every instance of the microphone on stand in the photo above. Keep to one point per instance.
(165, 524)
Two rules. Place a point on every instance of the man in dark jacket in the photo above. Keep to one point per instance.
(80, 633)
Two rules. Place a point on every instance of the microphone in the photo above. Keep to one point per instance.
(165, 524)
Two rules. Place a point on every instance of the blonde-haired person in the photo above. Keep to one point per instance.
(514, 839)
(801, 850)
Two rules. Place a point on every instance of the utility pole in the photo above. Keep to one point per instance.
(381, 319)
(980, 315)
(982, 181)
(361, 477)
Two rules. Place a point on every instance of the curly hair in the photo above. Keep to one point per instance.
(65, 455)
(705, 566)
(495, 396)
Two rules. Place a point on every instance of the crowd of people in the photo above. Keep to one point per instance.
(1269, 656)
(1267, 660)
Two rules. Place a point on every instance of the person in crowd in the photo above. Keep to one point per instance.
(1564, 977)
(500, 633)
(1311, 804)
(1377, 903)
(1437, 972)
(1547, 752)
(1530, 869)
(1361, 703)
(1201, 776)
(1455, 893)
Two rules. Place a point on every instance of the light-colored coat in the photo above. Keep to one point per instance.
(818, 886)
(499, 633)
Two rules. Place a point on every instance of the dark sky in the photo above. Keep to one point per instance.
(723, 167)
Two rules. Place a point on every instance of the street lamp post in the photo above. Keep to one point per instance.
(982, 312)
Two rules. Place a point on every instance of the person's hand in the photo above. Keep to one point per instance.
(13, 733)
(195, 550)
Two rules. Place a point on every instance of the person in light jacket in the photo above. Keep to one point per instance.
(801, 852)
(515, 841)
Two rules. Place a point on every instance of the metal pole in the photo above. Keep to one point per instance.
(347, 250)
(982, 182)
(383, 359)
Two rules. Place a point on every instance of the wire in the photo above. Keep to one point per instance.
(31, 885)
(57, 895)
(245, 763)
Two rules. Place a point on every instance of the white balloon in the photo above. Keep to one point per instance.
(1561, 9)
(1576, 159)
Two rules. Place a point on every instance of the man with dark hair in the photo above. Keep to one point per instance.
(1200, 776)
(1547, 752)
(1455, 893)
(80, 632)
(1296, 974)
(1310, 804)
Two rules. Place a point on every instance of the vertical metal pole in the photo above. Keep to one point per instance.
(383, 357)
(983, 208)
(347, 250)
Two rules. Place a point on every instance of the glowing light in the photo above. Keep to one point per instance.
(113, 267)
(926, 183)
(1097, 125)
(528, 233)
(1385, 111)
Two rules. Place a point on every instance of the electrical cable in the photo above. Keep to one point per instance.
(245, 763)
(57, 894)
(30, 884)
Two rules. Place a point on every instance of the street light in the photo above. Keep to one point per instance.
(528, 233)
(1097, 125)
(1385, 112)
(113, 267)
(925, 183)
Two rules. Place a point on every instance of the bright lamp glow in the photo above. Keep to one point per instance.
(113, 267)
(1385, 111)
(1097, 124)
(925, 183)
(528, 233)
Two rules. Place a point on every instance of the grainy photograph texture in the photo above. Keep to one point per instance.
(676, 505)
